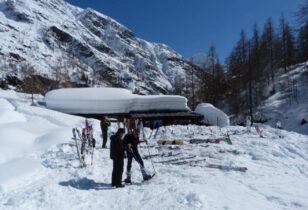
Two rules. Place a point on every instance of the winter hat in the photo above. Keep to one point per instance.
(121, 130)
(137, 130)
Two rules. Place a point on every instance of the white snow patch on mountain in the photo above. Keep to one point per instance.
(200, 59)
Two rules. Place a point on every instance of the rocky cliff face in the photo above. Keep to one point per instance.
(90, 47)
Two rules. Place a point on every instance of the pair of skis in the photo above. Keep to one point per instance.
(225, 168)
(193, 163)
(79, 151)
(87, 143)
(176, 159)
(169, 154)
(215, 141)
(88, 133)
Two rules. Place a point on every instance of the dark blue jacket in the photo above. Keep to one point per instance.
(117, 148)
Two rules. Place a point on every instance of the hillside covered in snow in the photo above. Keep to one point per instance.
(40, 168)
(289, 103)
(67, 43)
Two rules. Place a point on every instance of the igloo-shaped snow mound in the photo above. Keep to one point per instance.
(212, 115)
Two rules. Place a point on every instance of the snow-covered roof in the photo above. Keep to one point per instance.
(212, 115)
(110, 101)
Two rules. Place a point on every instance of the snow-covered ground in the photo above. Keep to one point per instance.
(39, 168)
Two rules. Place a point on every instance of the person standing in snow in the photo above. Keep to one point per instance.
(105, 123)
(248, 123)
(131, 141)
(278, 124)
(117, 154)
(279, 127)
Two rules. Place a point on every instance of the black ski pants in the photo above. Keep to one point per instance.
(130, 157)
(117, 172)
(105, 137)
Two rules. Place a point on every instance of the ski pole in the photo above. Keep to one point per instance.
(140, 163)
(136, 159)
(151, 133)
(151, 160)
(92, 156)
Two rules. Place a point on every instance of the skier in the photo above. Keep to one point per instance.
(132, 141)
(117, 154)
(278, 124)
(248, 123)
(105, 123)
(279, 127)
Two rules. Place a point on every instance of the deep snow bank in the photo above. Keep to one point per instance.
(26, 132)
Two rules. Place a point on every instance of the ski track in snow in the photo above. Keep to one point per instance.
(51, 178)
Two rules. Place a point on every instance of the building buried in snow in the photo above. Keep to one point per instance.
(121, 103)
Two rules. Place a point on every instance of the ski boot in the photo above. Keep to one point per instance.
(146, 177)
(128, 181)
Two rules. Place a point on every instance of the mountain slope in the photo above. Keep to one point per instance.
(52, 33)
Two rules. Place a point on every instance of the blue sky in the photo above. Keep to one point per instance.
(190, 26)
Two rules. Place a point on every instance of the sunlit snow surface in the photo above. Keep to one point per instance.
(39, 168)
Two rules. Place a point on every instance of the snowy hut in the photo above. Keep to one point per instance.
(118, 102)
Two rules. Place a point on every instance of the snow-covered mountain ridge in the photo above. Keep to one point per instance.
(51, 33)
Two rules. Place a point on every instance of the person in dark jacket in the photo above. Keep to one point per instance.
(117, 154)
(105, 123)
(132, 141)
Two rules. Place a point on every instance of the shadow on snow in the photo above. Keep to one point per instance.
(86, 184)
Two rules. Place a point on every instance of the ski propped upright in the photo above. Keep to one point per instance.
(82, 147)
(77, 147)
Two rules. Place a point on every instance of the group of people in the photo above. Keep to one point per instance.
(119, 149)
